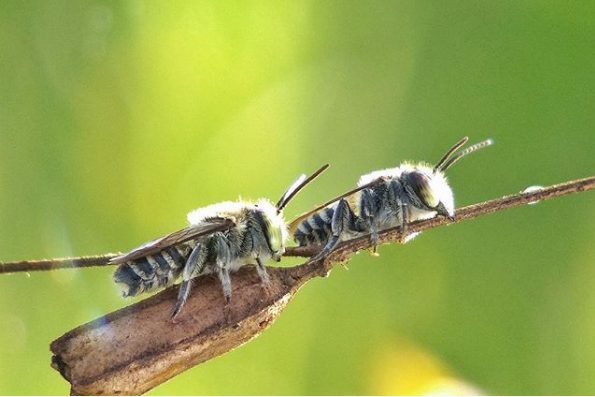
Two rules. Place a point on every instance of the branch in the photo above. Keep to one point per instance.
(59, 263)
(137, 348)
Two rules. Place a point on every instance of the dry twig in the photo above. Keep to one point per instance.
(59, 263)
(135, 349)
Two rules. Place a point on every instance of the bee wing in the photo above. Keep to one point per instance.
(297, 221)
(209, 226)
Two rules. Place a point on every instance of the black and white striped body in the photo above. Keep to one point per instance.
(153, 271)
(384, 199)
(219, 239)
(394, 201)
(259, 234)
(317, 228)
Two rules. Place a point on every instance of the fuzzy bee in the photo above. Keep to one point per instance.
(384, 199)
(220, 239)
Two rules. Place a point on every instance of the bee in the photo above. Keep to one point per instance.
(220, 239)
(384, 199)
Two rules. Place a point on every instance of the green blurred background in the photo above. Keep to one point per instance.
(117, 118)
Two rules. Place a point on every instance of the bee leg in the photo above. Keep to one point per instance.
(264, 276)
(405, 218)
(368, 211)
(341, 217)
(405, 236)
(262, 272)
(221, 247)
(223, 273)
(192, 268)
(226, 282)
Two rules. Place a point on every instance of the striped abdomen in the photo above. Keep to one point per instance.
(153, 271)
(316, 229)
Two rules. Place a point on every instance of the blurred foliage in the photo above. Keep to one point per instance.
(117, 118)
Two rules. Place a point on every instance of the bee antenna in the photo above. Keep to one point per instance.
(297, 186)
(457, 146)
(465, 152)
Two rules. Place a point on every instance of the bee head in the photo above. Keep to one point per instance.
(431, 189)
(276, 232)
(430, 185)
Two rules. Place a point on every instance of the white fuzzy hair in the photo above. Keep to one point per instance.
(438, 182)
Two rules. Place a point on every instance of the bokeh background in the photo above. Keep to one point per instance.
(117, 118)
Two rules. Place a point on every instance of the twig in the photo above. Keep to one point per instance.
(58, 263)
(134, 349)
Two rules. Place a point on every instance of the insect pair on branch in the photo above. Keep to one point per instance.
(223, 237)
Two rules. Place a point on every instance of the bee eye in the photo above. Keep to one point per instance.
(420, 184)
